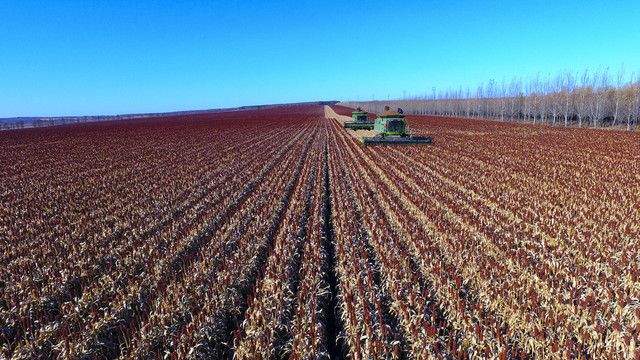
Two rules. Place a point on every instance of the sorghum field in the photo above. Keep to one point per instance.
(274, 234)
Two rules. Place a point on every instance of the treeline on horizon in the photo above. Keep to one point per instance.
(595, 99)
(22, 122)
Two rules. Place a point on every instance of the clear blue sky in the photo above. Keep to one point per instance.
(112, 57)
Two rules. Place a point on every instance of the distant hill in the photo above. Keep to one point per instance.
(23, 122)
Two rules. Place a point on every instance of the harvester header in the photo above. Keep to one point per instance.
(392, 129)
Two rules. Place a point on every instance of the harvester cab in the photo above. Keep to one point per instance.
(392, 129)
(360, 121)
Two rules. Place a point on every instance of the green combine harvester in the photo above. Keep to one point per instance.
(360, 121)
(392, 129)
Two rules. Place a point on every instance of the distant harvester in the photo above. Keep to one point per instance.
(360, 121)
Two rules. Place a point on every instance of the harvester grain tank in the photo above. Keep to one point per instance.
(392, 129)
(360, 121)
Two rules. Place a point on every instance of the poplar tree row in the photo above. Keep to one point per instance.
(590, 98)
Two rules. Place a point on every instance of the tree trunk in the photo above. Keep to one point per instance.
(615, 113)
(566, 109)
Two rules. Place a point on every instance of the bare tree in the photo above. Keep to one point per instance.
(545, 87)
(459, 107)
(636, 105)
(514, 97)
(536, 94)
(584, 92)
(503, 95)
(627, 99)
(527, 101)
(468, 103)
(568, 90)
(594, 102)
(480, 101)
(488, 102)
(619, 84)
(600, 86)
(587, 97)
(556, 97)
